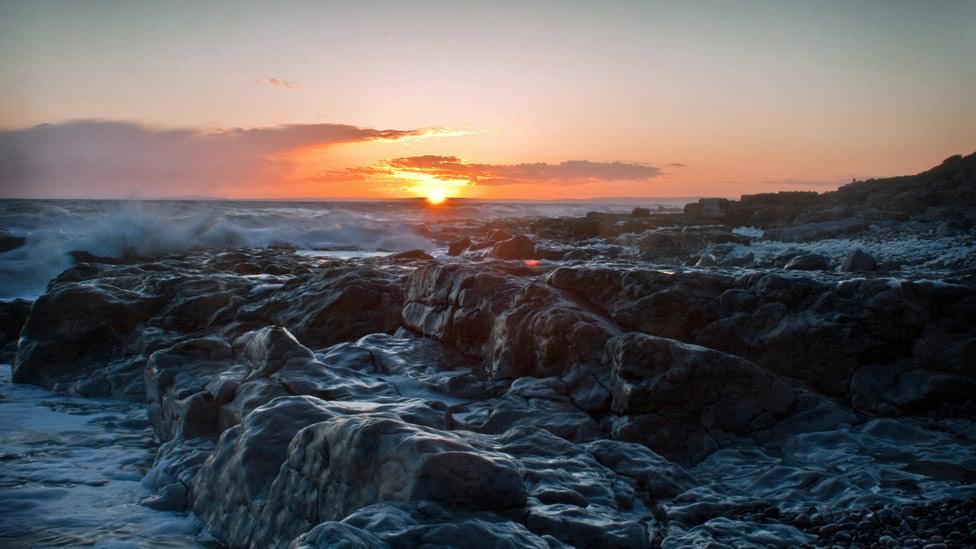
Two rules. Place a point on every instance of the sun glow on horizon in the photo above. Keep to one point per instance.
(424, 185)
(436, 196)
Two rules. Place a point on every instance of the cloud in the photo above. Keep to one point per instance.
(453, 168)
(291, 85)
(96, 158)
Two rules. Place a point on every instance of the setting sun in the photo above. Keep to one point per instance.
(436, 196)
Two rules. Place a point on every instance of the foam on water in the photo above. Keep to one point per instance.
(71, 470)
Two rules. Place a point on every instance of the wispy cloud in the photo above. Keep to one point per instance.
(290, 85)
(456, 169)
(103, 158)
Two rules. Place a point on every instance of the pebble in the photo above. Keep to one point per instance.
(950, 523)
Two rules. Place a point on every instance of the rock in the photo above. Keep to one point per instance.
(656, 478)
(517, 328)
(710, 209)
(808, 232)
(585, 527)
(76, 334)
(499, 235)
(426, 524)
(13, 315)
(556, 470)
(9, 242)
(336, 535)
(681, 400)
(457, 247)
(337, 304)
(858, 261)
(171, 475)
(458, 304)
(176, 379)
(411, 255)
(405, 402)
(543, 333)
(647, 300)
(201, 387)
(531, 401)
(232, 488)
(640, 212)
(516, 247)
(679, 243)
(340, 465)
(770, 209)
(807, 262)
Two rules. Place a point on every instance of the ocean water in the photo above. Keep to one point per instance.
(71, 474)
(154, 228)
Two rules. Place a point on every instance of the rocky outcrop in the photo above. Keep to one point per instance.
(818, 332)
(201, 387)
(423, 524)
(680, 243)
(606, 394)
(946, 191)
(338, 466)
(458, 304)
(13, 315)
(77, 338)
(92, 333)
(233, 486)
(685, 401)
(336, 304)
(858, 261)
(809, 232)
(518, 327)
(516, 247)
(10, 242)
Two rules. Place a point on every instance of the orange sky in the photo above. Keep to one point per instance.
(537, 100)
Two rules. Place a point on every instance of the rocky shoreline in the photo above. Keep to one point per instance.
(786, 370)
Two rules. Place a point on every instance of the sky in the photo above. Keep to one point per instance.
(495, 100)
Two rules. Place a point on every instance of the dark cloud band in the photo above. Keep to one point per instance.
(101, 158)
(572, 172)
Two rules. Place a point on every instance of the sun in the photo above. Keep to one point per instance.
(436, 196)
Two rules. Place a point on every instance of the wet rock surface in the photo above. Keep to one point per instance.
(638, 379)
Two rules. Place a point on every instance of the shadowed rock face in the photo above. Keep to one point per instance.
(946, 190)
(519, 328)
(13, 315)
(9, 242)
(682, 400)
(819, 332)
(337, 305)
(603, 394)
(75, 326)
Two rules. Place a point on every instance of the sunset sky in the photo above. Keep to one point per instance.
(540, 100)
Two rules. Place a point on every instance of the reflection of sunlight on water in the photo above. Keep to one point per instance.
(71, 473)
